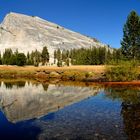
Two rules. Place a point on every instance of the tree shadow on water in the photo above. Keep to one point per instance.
(131, 119)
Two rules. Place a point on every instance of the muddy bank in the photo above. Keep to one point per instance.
(72, 73)
(66, 75)
(85, 74)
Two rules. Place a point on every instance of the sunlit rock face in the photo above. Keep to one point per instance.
(27, 33)
(33, 101)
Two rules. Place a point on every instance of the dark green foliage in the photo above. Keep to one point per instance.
(35, 58)
(21, 59)
(62, 57)
(90, 56)
(28, 57)
(0, 59)
(28, 60)
(59, 63)
(55, 56)
(131, 37)
(16, 58)
(10, 58)
(7, 56)
(124, 71)
(45, 55)
(66, 57)
(13, 59)
(59, 57)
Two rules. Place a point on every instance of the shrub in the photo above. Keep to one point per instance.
(73, 75)
(126, 71)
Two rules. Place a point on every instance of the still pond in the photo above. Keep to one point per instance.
(31, 110)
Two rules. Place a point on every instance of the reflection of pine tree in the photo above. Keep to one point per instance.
(45, 86)
(18, 84)
(8, 85)
(131, 118)
(130, 97)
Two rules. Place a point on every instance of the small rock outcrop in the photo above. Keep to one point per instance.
(54, 75)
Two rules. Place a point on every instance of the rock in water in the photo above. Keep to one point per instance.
(27, 33)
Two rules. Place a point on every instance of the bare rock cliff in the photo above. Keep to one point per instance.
(27, 33)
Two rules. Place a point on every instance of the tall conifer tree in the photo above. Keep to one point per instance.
(131, 34)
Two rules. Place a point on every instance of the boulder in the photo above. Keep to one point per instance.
(54, 75)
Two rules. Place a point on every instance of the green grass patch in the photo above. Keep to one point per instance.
(74, 75)
(125, 71)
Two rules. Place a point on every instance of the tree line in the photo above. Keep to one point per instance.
(87, 56)
(129, 50)
(16, 58)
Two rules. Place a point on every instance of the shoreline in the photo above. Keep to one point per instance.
(86, 74)
(72, 73)
(132, 84)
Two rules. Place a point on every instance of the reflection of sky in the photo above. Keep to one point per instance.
(81, 116)
(94, 116)
(19, 131)
(86, 119)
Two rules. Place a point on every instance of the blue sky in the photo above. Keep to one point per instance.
(102, 19)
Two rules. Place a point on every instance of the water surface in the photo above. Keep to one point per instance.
(31, 110)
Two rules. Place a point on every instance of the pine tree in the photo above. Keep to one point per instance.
(131, 34)
(28, 56)
(37, 58)
(6, 56)
(0, 59)
(59, 58)
(13, 59)
(21, 59)
(28, 61)
(45, 55)
(55, 56)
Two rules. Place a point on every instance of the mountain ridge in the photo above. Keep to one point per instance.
(27, 33)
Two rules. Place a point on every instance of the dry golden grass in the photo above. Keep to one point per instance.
(78, 72)
(96, 69)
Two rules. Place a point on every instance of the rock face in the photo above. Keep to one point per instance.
(27, 33)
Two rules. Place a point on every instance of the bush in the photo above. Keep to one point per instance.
(126, 71)
(73, 75)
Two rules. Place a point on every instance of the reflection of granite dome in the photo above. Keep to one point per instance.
(29, 33)
(33, 101)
